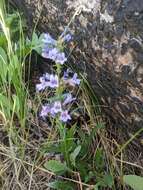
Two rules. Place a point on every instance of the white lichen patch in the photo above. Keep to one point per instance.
(106, 17)
(86, 5)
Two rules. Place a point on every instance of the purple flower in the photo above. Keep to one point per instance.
(45, 51)
(48, 40)
(49, 44)
(65, 116)
(55, 55)
(57, 107)
(68, 99)
(39, 87)
(47, 81)
(67, 38)
(49, 53)
(61, 58)
(75, 80)
(66, 74)
(45, 110)
(54, 81)
(42, 85)
(72, 81)
(46, 76)
(50, 50)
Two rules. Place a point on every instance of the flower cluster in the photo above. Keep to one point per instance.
(52, 81)
(59, 108)
(47, 80)
(51, 51)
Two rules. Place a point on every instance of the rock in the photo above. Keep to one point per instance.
(108, 37)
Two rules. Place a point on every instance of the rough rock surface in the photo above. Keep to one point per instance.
(108, 37)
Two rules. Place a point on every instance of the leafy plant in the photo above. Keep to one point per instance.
(56, 166)
(61, 185)
(74, 155)
(63, 100)
(134, 181)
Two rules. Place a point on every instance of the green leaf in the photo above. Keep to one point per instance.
(74, 154)
(6, 104)
(34, 38)
(134, 181)
(37, 43)
(96, 187)
(3, 55)
(50, 148)
(3, 64)
(61, 185)
(68, 145)
(99, 159)
(56, 166)
(108, 180)
(17, 103)
(3, 41)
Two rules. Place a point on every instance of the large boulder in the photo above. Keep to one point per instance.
(108, 47)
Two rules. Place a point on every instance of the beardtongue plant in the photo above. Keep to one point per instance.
(58, 109)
